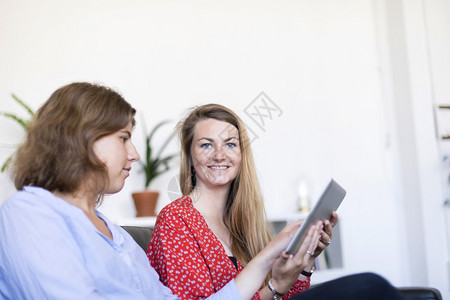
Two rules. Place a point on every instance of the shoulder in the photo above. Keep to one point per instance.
(35, 207)
(35, 217)
(179, 213)
(182, 206)
(32, 202)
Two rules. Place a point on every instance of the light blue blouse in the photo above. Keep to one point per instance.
(49, 249)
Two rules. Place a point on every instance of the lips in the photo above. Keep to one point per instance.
(218, 167)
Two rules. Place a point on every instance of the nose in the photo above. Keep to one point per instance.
(133, 155)
(219, 154)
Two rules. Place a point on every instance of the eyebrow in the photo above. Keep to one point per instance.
(212, 140)
(231, 138)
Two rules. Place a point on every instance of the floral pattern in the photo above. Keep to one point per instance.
(189, 258)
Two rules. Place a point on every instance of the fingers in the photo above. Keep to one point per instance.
(281, 240)
(315, 239)
(309, 244)
(287, 268)
(334, 218)
(325, 238)
(328, 227)
(323, 243)
(327, 233)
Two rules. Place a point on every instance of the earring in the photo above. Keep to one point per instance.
(193, 177)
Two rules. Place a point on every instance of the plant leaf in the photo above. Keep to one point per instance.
(21, 121)
(23, 104)
(155, 165)
(6, 163)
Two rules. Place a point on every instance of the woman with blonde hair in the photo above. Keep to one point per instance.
(215, 232)
(220, 221)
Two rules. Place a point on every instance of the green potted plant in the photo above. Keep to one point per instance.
(153, 163)
(21, 121)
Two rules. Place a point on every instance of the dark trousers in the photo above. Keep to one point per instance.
(363, 286)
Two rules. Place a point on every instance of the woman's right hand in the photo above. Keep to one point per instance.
(287, 268)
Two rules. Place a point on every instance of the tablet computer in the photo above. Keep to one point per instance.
(328, 202)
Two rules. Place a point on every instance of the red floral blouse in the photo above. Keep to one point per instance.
(189, 258)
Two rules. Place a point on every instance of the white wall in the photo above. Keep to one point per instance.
(322, 62)
(428, 39)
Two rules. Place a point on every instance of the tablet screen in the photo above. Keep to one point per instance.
(328, 202)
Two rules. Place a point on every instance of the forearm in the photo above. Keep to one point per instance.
(253, 275)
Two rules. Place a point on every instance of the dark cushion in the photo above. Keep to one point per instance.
(421, 293)
(141, 235)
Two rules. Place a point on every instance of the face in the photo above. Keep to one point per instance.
(216, 154)
(117, 152)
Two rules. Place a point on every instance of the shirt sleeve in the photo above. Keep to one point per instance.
(176, 256)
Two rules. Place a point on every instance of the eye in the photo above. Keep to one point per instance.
(206, 146)
(124, 139)
(231, 145)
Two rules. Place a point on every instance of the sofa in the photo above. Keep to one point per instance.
(142, 236)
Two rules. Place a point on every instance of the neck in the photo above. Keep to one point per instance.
(211, 205)
(81, 200)
(210, 202)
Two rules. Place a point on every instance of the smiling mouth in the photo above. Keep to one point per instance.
(218, 167)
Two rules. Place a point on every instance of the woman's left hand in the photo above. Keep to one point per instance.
(326, 234)
(286, 268)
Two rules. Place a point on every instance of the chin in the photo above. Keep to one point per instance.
(114, 189)
(221, 182)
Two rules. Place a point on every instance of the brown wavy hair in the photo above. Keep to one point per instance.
(244, 211)
(57, 153)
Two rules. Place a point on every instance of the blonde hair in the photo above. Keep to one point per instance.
(57, 153)
(244, 212)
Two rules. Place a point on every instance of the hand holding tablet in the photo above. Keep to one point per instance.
(328, 202)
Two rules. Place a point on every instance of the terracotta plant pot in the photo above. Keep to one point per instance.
(145, 203)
